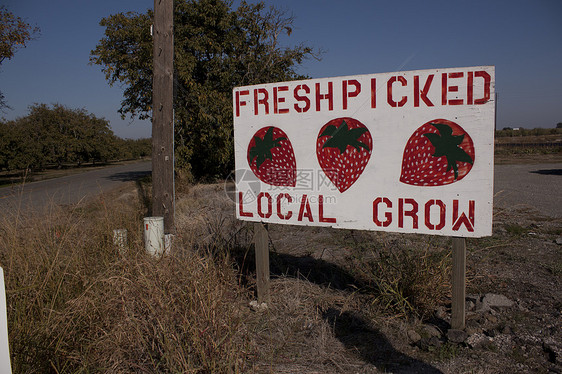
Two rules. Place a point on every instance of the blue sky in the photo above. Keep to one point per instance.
(522, 38)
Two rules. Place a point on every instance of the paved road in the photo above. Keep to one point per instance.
(537, 186)
(70, 189)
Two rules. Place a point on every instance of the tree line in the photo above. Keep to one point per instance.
(57, 136)
(510, 132)
(216, 48)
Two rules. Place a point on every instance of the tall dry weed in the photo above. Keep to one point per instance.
(146, 315)
(406, 280)
(78, 304)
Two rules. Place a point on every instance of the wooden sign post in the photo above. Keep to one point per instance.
(163, 114)
(261, 240)
(458, 284)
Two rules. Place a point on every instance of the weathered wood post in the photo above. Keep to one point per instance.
(458, 284)
(163, 114)
(261, 239)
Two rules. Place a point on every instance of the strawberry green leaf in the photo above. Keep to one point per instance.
(342, 137)
(444, 130)
(446, 144)
(330, 130)
(261, 151)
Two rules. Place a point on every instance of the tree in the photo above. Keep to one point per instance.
(559, 125)
(14, 34)
(3, 103)
(216, 48)
(4, 145)
(54, 136)
(19, 148)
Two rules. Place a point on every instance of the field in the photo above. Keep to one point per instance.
(529, 148)
(342, 301)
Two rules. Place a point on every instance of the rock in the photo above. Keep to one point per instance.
(434, 342)
(491, 332)
(254, 306)
(441, 312)
(413, 336)
(553, 349)
(490, 300)
(479, 307)
(477, 340)
(431, 331)
(529, 339)
(423, 344)
(426, 343)
(503, 342)
(473, 330)
(558, 241)
(456, 336)
(491, 318)
(472, 327)
(496, 301)
(482, 320)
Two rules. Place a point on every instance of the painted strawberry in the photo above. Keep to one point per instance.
(271, 157)
(438, 153)
(343, 149)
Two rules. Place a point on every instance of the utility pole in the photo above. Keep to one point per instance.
(163, 114)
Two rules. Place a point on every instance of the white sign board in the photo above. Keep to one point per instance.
(405, 152)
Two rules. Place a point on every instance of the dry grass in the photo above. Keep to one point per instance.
(412, 280)
(76, 304)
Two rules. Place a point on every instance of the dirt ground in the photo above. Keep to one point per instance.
(323, 319)
(530, 158)
(514, 306)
